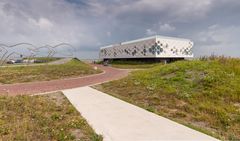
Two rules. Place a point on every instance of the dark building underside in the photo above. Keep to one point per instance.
(164, 60)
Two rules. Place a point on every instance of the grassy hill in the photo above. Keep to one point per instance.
(18, 74)
(203, 94)
(132, 64)
(44, 59)
(43, 118)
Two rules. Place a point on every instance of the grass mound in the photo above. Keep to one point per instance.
(133, 64)
(44, 59)
(9, 75)
(204, 95)
(49, 117)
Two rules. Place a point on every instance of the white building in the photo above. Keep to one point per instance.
(155, 47)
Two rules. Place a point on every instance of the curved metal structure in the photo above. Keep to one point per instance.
(8, 51)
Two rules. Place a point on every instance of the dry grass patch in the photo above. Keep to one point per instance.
(41, 118)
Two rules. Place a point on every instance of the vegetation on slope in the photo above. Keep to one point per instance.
(49, 117)
(21, 74)
(204, 95)
(44, 59)
(133, 64)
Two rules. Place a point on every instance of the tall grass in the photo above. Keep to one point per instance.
(204, 93)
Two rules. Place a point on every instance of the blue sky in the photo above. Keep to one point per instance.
(213, 25)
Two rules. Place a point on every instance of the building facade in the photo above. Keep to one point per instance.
(158, 47)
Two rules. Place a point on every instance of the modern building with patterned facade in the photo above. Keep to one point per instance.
(155, 47)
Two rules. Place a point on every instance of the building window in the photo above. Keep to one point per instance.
(161, 50)
(144, 50)
(150, 49)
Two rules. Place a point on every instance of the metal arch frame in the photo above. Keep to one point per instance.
(6, 54)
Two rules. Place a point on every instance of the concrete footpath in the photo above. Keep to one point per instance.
(117, 120)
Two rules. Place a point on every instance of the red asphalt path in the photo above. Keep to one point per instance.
(55, 85)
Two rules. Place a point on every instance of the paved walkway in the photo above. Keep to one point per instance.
(117, 120)
(55, 85)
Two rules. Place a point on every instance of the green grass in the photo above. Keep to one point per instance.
(133, 64)
(45, 59)
(204, 95)
(19, 74)
(49, 117)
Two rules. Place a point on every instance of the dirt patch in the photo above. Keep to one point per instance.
(180, 103)
(195, 75)
(77, 133)
(237, 105)
(169, 76)
(57, 97)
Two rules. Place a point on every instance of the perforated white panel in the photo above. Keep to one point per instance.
(157, 46)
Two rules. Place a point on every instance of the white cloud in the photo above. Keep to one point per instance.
(48, 22)
(109, 34)
(42, 23)
(150, 32)
(166, 27)
(177, 9)
(90, 24)
(218, 40)
(160, 28)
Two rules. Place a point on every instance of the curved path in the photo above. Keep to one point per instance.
(55, 85)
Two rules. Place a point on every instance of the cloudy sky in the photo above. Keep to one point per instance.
(213, 25)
